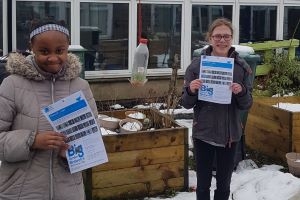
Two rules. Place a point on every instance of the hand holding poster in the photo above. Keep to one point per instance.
(73, 117)
(216, 74)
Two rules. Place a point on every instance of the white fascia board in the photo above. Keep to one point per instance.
(259, 2)
(213, 2)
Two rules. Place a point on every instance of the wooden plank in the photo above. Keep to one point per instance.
(266, 142)
(139, 189)
(296, 146)
(267, 125)
(159, 186)
(143, 162)
(272, 130)
(104, 179)
(268, 45)
(260, 137)
(296, 116)
(296, 123)
(296, 135)
(268, 112)
(144, 140)
(274, 100)
(121, 192)
(127, 159)
(157, 118)
(263, 69)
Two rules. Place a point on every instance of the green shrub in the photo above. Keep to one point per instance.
(284, 76)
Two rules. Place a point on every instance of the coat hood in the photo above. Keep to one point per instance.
(25, 66)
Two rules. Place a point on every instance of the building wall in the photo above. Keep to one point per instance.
(190, 19)
(121, 89)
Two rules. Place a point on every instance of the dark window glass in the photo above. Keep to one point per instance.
(1, 29)
(161, 25)
(290, 29)
(257, 23)
(104, 33)
(202, 17)
(29, 12)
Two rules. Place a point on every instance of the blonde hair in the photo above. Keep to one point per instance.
(216, 23)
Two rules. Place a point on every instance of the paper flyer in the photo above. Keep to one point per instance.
(217, 76)
(73, 117)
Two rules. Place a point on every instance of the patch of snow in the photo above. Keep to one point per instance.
(288, 106)
(131, 126)
(137, 115)
(116, 106)
(107, 132)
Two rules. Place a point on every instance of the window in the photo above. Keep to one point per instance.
(202, 17)
(1, 29)
(29, 12)
(104, 33)
(291, 20)
(257, 23)
(161, 25)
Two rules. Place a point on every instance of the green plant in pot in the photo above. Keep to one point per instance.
(138, 79)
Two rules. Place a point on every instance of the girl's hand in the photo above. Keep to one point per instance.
(236, 88)
(195, 85)
(47, 140)
(62, 152)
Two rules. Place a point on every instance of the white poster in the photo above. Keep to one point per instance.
(217, 76)
(73, 117)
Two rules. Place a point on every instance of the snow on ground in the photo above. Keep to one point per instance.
(248, 181)
(266, 183)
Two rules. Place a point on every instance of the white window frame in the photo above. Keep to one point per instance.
(185, 27)
(4, 27)
(14, 18)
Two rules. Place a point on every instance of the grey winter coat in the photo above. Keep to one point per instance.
(35, 174)
(218, 123)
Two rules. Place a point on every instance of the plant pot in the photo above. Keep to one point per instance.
(129, 125)
(133, 114)
(107, 122)
(293, 160)
(135, 83)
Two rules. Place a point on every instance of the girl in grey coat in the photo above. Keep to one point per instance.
(217, 127)
(32, 154)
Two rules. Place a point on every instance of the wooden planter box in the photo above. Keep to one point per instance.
(272, 130)
(142, 164)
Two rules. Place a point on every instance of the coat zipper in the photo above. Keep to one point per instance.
(228, 125)
(51, 153)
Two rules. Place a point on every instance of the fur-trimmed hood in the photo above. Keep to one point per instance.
(24, 66)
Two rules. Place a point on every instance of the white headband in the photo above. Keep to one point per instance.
(49, 27)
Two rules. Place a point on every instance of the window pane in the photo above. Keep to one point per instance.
(202, 17)
(161, 24)
(104, 33)
(29, 12)
(291, 18)
(257, 23)
(1, 29)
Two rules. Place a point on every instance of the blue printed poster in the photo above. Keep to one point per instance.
(216, 74)
(73, 117)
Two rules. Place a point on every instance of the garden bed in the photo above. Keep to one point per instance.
(272, 130)
(144, 163)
